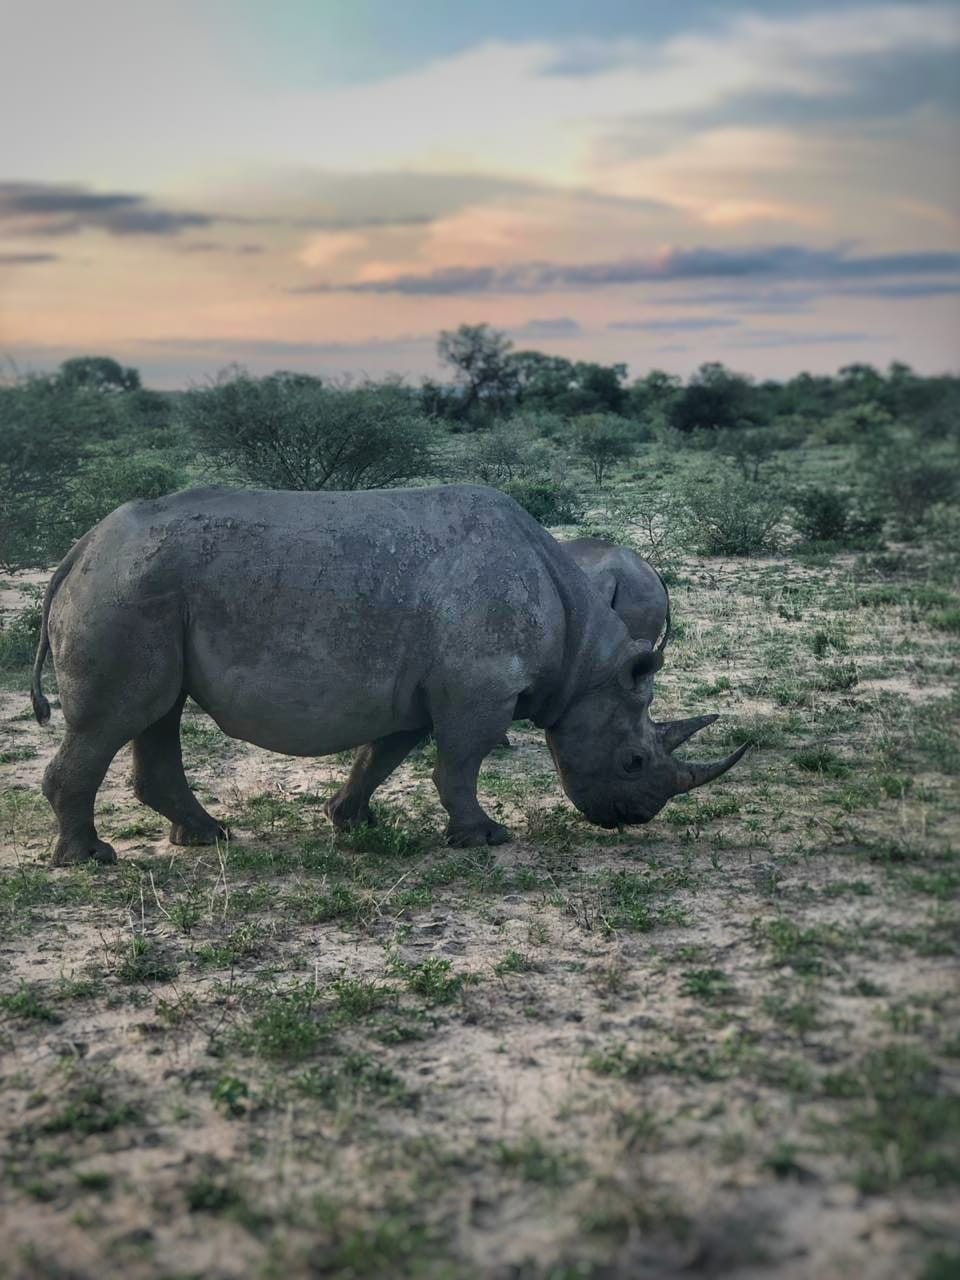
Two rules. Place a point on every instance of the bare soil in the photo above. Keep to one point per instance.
(723, 1045)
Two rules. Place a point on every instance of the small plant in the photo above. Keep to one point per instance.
(356, 998)
(711, 985)
(287, 1025)
(206, 1195)
(141, 960)
(513, 962)
(231, 1094)
(433, 979)
(821, 760)
(535, 1162)
(25, 1003)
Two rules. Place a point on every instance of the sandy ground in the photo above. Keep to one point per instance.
(725, 1045)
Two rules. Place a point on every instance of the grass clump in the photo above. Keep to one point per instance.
(287, 1026)
(25, 1003)
(904, 1123)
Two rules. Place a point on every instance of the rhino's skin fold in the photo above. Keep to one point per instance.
(309, 623)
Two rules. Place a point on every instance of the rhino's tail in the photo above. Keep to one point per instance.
(41, 707)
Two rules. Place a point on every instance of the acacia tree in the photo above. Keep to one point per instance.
(98, 373)
(478, 356)
(298, 434)
(601, 439)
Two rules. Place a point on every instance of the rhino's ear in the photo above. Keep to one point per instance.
(643, 661)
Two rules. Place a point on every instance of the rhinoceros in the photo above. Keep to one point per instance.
(310, 623)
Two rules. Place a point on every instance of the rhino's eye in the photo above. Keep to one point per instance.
(633, 764)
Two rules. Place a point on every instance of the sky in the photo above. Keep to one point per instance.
(324, 185)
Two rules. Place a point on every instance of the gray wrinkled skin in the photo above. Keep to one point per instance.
(309, 623)
(632, 588)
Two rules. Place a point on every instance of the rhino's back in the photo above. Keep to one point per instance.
(298, 607)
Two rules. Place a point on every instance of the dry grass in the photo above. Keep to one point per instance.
(727, 1043)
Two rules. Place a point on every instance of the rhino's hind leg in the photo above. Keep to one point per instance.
(70, 783)
(372, 764)
(159, 781)
(466, 733)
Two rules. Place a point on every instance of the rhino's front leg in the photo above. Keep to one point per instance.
(466, 733)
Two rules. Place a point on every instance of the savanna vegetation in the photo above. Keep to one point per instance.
(725, 1044)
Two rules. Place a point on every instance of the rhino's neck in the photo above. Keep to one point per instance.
(594, 643)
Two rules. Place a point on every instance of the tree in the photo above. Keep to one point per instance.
(98, 373)
(714, 397)
(596, 388)
(652, 394)
(478, 357)
(541, 381)
(602, 439)
(288, 435)
(45, 431)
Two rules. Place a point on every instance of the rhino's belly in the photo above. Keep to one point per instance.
(308, 704)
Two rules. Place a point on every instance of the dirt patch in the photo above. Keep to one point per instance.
(722, 1045)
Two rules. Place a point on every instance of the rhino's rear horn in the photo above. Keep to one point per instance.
(673, 732)
(692, 774)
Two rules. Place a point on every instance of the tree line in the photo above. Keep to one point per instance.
(77, 442)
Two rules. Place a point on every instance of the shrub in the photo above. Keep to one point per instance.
(295, 433)
(728, 514)
(827, 514)
(548, 501)
(20, 634)
(906, 482)
(506, 453)
(45, 432)
(601, 439)
(106, 484)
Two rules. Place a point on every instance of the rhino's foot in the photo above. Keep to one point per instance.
(345, 811)
(197, 833)
(478, 833)
(69, 853)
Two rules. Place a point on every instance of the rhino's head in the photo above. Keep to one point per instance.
(615, 763)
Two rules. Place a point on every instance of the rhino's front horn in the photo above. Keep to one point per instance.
(674, 732)
(692, 774)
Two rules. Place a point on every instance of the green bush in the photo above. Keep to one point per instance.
(506, 453)
(20, 634)
(107, 483)
(46, 431)
(292, 432)
(602, 439)
(548, 501)
(827, 514)
(725, 513)
(905, 482)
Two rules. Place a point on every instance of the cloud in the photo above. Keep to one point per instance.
(366, 222)
(217, 246)
(23, 259)
(903, 289)
(680, 325)
(760, 338)
(49, 209)
(554, 327)
(774, 261)
(238, 348)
